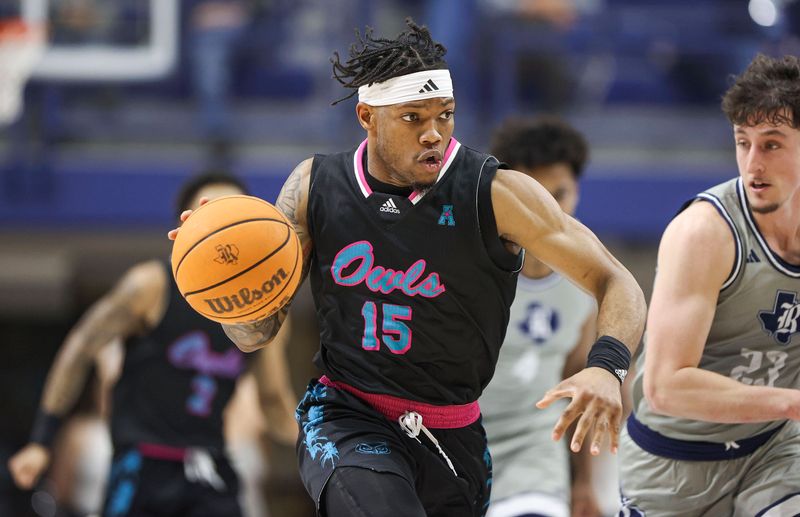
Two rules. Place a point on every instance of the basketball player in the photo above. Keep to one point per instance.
(179, 373)
(405, 237)
(551, 328)
(714, 429)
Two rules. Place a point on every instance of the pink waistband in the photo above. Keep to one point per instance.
(433, 417)
(161, 452)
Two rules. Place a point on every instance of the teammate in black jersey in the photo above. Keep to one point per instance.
(179, 373)
(412, 241)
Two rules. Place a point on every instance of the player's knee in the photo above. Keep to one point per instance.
(356, 492)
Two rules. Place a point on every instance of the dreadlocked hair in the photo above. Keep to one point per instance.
(374, 60)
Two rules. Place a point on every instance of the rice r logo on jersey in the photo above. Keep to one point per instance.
(227, 254)
(540, 323)
(390, 206)
(781, 321)
(246, 297)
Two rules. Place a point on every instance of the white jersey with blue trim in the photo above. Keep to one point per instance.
(544, 327)
(753, 334)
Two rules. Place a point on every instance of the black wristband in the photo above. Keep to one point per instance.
(45, 428)
(611, 355)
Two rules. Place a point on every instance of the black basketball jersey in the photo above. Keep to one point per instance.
(408, 299)
(176, 380)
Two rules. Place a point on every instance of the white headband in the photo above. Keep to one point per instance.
(406, 88)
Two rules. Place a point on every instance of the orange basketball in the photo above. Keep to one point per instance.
(237, 259)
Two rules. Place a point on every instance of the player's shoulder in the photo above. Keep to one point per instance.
(147, 277)
(701, 235)
(701, 221)
(509, 185)
(303, 168)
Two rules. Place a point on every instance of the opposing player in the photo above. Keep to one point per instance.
(179, 373)
(716, 405)
(405, 238)
(551, 328)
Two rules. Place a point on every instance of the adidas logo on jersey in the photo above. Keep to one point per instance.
(753, 257)
(389, 206)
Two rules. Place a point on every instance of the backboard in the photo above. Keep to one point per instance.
(105, 40)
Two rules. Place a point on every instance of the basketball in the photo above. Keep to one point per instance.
(237, 259)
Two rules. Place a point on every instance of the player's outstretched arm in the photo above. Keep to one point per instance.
(128, 308)
(293, 202)
(583, 500)
(527, 215)
(695, 257)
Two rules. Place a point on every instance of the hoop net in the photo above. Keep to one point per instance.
(21, 46)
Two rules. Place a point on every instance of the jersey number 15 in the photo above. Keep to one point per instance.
(395, 334)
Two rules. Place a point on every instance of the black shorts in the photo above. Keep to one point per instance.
(337, 429)
(139, 486)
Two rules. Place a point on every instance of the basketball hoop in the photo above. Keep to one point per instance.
(21, 46)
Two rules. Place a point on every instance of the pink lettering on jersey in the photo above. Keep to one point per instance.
(380, 279)
(193, 351)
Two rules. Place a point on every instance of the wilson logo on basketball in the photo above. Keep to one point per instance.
(227, 254)
(246, 297)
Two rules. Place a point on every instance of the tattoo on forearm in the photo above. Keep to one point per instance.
(252, 336)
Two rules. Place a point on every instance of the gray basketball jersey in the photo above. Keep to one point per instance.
(752, 334)
(544, 326)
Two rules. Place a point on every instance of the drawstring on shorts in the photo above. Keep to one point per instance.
(731, 445)
(199, 467)
(411, 423)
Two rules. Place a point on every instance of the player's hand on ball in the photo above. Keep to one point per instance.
(237, 260)
(28, 465)
(596, 403)
(172, 234)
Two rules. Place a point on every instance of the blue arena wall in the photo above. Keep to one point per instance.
(105, 195)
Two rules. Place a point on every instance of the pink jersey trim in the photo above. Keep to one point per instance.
(358, 167)
(433, 417)
(449, 154)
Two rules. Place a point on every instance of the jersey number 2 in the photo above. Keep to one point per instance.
(395, 334)
(204, 389)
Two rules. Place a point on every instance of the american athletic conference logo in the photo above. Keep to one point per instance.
(781, 321)
(446, 219)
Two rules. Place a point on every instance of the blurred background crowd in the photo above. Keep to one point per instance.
(89, 169)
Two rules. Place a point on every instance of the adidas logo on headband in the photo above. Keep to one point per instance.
(415, 86)
(429, 86)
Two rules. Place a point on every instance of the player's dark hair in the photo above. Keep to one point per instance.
(374, 60)
(767, 91)
(196, 183)
(532, 143)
